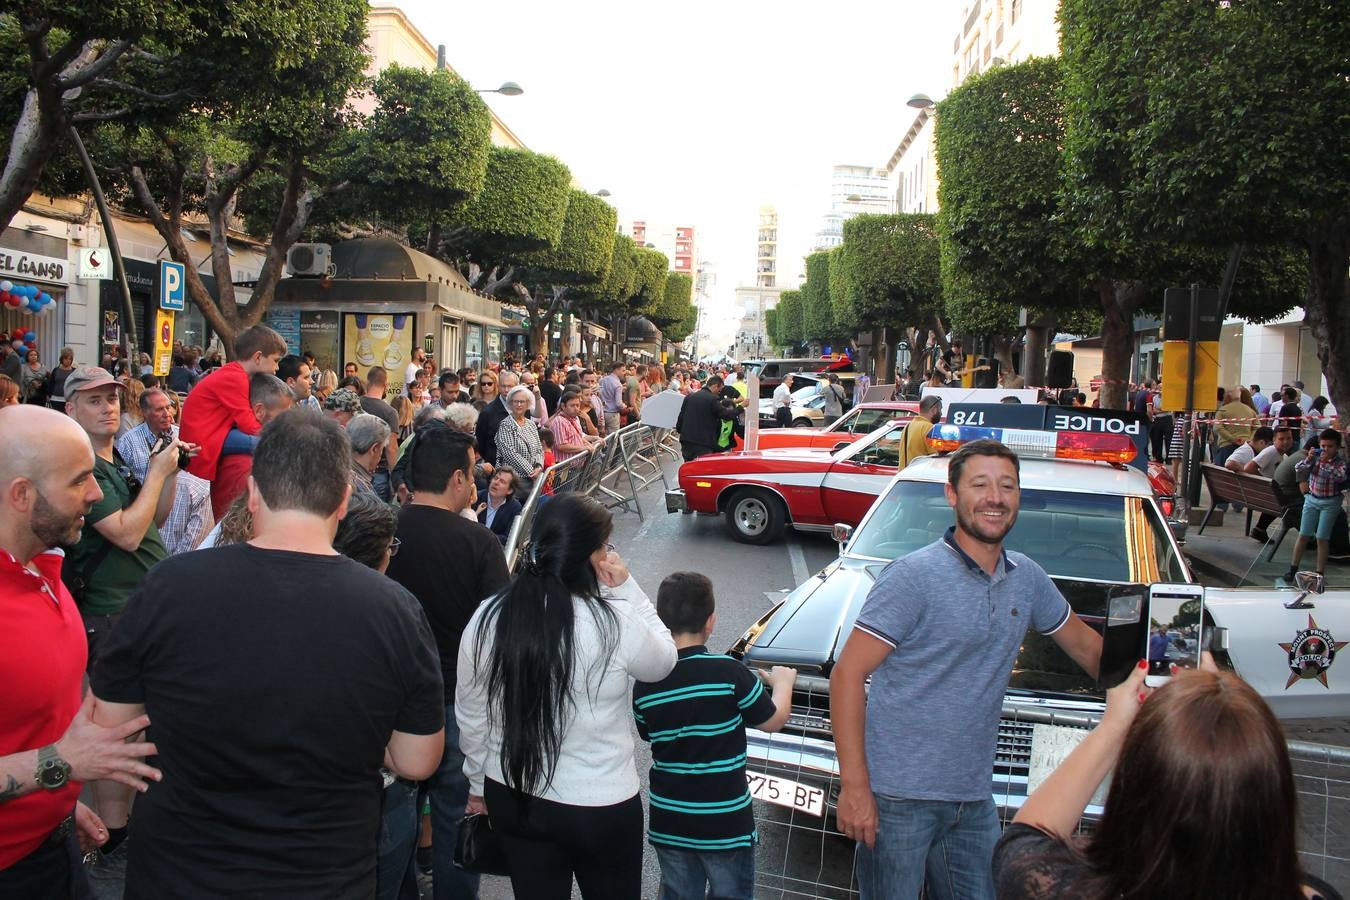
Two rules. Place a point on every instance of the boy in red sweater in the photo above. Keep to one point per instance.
(219, 406)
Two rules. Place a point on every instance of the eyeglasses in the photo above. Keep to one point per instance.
(486, 383)
(610, 548)
(393, 547)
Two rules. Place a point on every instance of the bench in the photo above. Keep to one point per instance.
(1256, 492)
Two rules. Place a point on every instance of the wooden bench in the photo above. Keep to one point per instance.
(1256, 492)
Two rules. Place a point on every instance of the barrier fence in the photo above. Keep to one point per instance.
(614, 473)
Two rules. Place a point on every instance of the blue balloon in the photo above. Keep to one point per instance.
(33, 291)
(29, 337)
(29, 291)
(44, 298)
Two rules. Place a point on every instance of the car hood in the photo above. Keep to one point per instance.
(809, 628)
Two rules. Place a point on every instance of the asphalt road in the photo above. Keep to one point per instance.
(796, 856)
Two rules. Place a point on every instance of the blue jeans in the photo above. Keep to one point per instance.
(449, 791)
(395, 876)
(948, 844)
(716, 874)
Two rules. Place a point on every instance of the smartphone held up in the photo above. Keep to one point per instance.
(1160, 623)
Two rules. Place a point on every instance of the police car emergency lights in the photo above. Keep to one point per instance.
(1044, 432)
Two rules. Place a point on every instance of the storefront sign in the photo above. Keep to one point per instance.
(96, 263)
(30, 265)
(163, 342)
(319, 332)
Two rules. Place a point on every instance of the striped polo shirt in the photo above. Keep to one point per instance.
(695, 719)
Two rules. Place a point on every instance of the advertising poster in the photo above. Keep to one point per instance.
(494, 345)
(319, 335)
(473, 346)
(286, 322)
(112, 328)
(163, 356)
(379, 340)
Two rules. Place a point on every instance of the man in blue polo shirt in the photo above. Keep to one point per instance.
(938, 634)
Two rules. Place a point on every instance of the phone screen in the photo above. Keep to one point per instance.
(1173, 637)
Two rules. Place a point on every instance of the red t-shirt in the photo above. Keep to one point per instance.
(43, 651)
(218, 403)
(231, 480)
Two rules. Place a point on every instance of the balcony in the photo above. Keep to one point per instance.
(973, 18)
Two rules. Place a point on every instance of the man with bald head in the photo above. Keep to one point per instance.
(48, 742)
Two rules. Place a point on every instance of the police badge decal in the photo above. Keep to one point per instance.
(1311, 653)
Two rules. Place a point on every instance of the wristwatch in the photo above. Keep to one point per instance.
(52, 771)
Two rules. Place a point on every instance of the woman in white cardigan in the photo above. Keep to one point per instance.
(542, 699)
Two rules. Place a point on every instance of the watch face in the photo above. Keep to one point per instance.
(54, 774)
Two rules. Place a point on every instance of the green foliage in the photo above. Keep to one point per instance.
(521, 208)
(675, 299)
(817, 307)
(771, 327)
(584, 250)
(679, 330)
(845, 316)
(620, 284)
(649, 287)
(791, 322)
(891, 268)
(1004, 245)
(425, 148)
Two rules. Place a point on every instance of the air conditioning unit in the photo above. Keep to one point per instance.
(309, 259)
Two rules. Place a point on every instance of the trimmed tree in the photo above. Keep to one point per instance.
(674, 305)
(649, 286)
(791, 321)
(581, 258)
(771, 327)
(1221, 125)
(845, 316)
(817, 306)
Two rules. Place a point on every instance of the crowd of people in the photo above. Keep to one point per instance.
(261, 640)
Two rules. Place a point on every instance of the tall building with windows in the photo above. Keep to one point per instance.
(754, 300)
(677, 242)
(853, 190)
(766, 262)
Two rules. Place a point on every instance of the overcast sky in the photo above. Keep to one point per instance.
(698, 113)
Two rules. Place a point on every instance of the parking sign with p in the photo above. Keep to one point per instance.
(172, 286)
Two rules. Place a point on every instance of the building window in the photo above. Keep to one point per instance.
(1015, 11)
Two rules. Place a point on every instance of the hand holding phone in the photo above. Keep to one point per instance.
(1173, 636)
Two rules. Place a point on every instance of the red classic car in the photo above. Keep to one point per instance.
(809, 489)
(853, 425)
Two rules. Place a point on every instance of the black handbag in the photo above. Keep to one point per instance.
(478, 848)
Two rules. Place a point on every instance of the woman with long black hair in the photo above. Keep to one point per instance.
(544, 676)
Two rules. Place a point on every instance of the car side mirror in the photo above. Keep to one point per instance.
(841, 532)
(840, 446)
(1307, 583)
(1178, 528)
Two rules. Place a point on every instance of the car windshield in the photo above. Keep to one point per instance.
(1086, 537)
(871, 419)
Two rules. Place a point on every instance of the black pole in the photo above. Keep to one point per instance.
(129, 329)
(1192, 445)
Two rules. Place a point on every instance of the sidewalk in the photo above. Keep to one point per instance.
(1225, 556)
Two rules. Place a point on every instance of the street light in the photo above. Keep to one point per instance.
(508, 89)
(920, 101)
(603, 193)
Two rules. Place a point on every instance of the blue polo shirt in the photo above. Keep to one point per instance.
(934, 703)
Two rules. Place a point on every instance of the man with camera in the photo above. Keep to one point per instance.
(190, 517)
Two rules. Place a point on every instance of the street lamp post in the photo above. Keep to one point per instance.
(508, 89)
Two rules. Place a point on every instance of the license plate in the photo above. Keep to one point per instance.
(787, 793)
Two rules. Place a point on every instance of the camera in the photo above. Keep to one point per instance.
(165, 442)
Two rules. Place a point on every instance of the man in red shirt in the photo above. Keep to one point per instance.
(219, 404)
(48, 742)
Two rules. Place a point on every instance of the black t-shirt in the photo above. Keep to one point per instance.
(451, 565)
(273, 681)
(551, 393)
(1032, 865)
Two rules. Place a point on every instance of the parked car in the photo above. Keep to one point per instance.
(808, 406)
(771, 371)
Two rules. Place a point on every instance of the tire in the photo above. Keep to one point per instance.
(755, 517)
(803, 423)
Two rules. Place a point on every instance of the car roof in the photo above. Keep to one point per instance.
(1079, 476)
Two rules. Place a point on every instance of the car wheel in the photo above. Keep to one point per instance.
(802, 423)
(755, 517)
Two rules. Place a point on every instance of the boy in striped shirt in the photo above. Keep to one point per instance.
(701, 823)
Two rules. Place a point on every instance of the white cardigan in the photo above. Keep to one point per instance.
(595, 765)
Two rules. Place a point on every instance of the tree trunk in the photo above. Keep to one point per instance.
(1119, 300)
(886, 354)
(1034, 354)
(1001, 350)
(32, 142)
(1325, 309)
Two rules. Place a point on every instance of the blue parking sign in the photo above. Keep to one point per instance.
(172, 286)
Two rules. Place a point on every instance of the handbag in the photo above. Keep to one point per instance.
(478, 848)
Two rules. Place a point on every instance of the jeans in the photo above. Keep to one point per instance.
(449, 791)
(51, 872)
(716, 874)
(400, 816)
(948, 844)
(380, 481)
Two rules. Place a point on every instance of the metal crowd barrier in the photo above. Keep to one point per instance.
(802, 855)
(614, 473)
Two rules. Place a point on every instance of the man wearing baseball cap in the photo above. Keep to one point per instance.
(118, 544)
(341, 405)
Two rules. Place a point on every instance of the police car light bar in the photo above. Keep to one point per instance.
(1117, 449)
